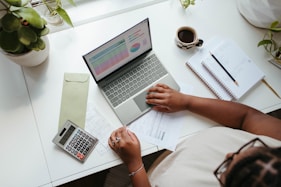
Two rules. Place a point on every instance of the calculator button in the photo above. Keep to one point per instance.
(80, 156)
(68, 148)
(91, 140)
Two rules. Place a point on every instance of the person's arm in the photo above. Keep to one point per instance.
(128, 149)
(226, 113)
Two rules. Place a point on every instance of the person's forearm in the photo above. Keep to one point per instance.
(234, 115)
(139, 177)
(230, 114)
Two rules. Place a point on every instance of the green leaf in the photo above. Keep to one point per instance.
(72, 2)
(185, 3)
(17, 3)
(44, 31)
(63, 14)
(41, 32)
(27, 35)
(265, 42)
(274, 24)
(38, 45)
(276, 29)
(9, 42)
(31, 16)
(10, 23)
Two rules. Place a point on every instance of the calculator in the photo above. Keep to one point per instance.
(75, 141)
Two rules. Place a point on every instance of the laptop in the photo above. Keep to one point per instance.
(124, 68)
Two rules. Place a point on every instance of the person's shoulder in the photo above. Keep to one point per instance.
(197, 156)
(228, 137)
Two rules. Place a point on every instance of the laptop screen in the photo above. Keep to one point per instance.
(119, 51)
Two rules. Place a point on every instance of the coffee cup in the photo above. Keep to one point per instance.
(186, 38)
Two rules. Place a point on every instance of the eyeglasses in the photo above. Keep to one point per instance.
(224, 165)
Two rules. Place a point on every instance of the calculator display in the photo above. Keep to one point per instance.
(67, 135)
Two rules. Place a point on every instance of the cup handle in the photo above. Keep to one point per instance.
(200, 43)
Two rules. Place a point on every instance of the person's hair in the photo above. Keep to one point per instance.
(262, 169)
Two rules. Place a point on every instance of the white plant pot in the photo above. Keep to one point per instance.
(260, 13)
(32, 58)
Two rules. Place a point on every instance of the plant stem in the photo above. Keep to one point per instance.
(48, 7)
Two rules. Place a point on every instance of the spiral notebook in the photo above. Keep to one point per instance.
(195, 64)
(232, 68)
(226, 69)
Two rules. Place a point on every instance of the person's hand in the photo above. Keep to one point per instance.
(165, 99)
(126, 144)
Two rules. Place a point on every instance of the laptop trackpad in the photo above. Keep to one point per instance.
(140, 101)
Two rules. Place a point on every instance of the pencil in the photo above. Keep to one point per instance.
(270, 87)
(224, 69)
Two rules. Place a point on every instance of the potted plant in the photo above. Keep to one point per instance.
(23, 30)
(54, 8)
(271, 44)
(185, 3)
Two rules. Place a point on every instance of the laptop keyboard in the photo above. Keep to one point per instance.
(135, 80)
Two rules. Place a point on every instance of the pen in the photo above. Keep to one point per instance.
(224, 69)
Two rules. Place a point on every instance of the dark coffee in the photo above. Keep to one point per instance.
(186, 36)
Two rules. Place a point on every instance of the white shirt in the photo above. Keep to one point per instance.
(194, 160)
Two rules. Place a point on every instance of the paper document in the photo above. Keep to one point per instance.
(161, 129)
(99, 127)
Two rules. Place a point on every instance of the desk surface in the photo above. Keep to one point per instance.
(44, 83)
(22, 158)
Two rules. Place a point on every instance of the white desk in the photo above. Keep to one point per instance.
(22, 159)
(217, 17)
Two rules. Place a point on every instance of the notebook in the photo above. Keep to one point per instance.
(195, 64)
(225, 68)
(124, 68)
(232, 68)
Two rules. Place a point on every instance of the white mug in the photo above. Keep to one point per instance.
(186, 38)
